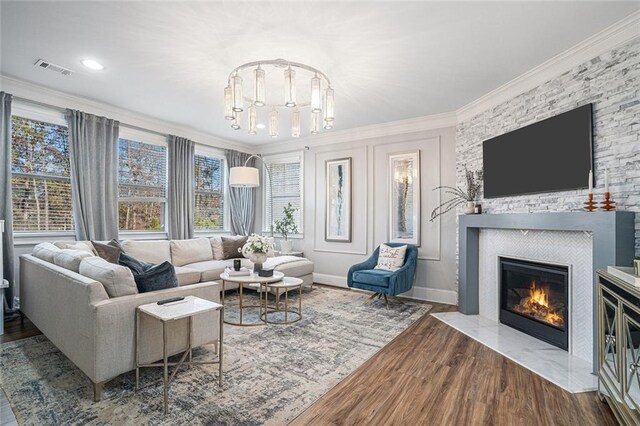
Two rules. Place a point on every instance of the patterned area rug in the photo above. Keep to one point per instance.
(271, 373)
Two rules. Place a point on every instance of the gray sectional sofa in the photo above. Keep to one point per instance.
(92, 320)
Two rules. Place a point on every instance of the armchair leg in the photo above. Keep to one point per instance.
(386, 302)
(370, 298)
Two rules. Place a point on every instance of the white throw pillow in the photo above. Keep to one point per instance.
(45, 251)
(154, 252)
(391, 258)
(116, 279)
(70, 259)
(81, 245)
(194, 250)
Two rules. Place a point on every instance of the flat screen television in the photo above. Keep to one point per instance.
(555, 154)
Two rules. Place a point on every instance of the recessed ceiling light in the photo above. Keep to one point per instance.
(92, 65)
(261, 126)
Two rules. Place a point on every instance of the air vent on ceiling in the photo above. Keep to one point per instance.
(53, 67)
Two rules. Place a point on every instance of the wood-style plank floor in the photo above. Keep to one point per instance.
(431, 374)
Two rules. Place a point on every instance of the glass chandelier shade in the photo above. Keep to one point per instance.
(295, 123)
(259, 94)
(315, 93)
(228, 103)
(236, 84)
(273, 123)
(253, 120)
(289, 88)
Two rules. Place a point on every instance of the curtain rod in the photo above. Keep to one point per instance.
(130, 126)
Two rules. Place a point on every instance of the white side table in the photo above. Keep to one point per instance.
(186, 308)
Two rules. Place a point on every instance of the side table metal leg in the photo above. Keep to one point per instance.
(221, 343)
(241, 288)
(286, 304)
(137, 346)
(300, 302)
(166, 367)
(190, 340)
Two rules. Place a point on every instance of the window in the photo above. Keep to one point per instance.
(286, 173)
(40, 183)
(142, 179)
(209, 193)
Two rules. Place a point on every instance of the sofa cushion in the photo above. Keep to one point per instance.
(190, 251)
(157, 277)
(291, 266)
(116, 279)
(391, 258)
(75, 245)
(231, 247)
(210, 270)
(187, 276)
(70, 259)
(109, 252)
(45, 251)
(377, 277)
(216, 245)
(154, 252)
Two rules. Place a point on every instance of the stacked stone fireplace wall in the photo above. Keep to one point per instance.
(611, 82)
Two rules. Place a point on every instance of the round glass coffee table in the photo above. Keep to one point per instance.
(245, 280)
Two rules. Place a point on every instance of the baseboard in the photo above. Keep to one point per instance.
(448, 297)
(334, 280)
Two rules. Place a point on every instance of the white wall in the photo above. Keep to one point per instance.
(436, 277)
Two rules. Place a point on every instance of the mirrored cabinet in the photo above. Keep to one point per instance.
(619, 347)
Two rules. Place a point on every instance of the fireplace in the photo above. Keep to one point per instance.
(534, 298)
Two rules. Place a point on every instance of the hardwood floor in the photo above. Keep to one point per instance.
(431, 374)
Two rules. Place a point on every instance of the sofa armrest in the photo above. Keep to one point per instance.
(370, 263)
(115, 326)
(402, 279)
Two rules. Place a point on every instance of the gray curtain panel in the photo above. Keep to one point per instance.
(181, 192)
(242, 201)
(5, 194)
(93, 151)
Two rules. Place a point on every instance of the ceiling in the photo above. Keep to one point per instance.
(387, 60)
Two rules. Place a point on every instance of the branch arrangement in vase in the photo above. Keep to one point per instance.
(460, 196)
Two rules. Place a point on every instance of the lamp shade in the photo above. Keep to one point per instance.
(244, 177)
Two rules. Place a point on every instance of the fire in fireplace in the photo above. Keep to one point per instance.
(534, 299)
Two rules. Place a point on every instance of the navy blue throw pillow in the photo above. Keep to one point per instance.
(157, 277)
(136, 266)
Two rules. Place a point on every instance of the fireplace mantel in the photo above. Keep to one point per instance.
(613, 243)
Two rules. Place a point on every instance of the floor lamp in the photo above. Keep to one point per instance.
(249, 177)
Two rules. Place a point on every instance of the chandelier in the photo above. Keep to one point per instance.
(319, 98)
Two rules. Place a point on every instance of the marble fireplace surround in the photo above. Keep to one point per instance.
(612, 243)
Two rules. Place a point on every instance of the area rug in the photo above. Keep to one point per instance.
(271, 373)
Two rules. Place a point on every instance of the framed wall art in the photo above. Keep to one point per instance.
(338, 204)
(404, 198)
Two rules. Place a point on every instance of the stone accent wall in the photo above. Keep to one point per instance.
(611, 82)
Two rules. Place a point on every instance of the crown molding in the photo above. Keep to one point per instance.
(617, 34)
(411, 125)
(47, 96)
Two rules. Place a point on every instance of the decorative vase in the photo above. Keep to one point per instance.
(286, 246)
(636, 266)
(258, 259)
(470, 208)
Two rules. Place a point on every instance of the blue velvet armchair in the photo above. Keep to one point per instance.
(382, 282)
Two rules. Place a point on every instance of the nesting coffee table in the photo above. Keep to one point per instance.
(245, 280)
(287, 284)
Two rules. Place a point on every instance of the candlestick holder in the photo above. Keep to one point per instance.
(590, 205)
(608, 204)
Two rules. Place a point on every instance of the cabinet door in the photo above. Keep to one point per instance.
(609, 317)
(631, 359)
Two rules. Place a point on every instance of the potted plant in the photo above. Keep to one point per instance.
(460, 196)
(285, 227)
(256, 249)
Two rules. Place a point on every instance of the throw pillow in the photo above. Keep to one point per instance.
(117, 280)
(136, 266)
(230, 247)
(86, 246)
(157, 277)
(45, 251)
(391, 258)
(70, 259)
(194, 250)
(109, 252)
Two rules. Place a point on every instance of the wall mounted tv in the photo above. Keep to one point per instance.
(555, 154)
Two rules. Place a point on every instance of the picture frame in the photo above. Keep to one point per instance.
(404, 197)
(338, 199)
